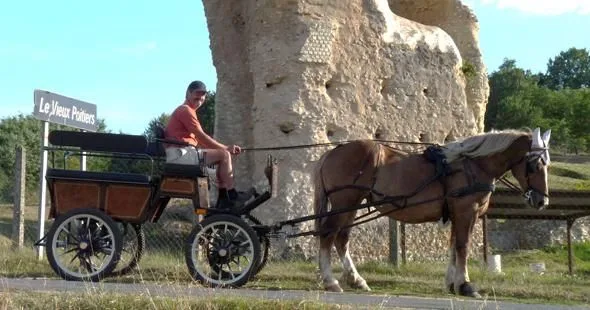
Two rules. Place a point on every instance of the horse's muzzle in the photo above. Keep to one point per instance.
(536, 199)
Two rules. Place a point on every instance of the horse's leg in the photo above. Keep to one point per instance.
(450, 276)
(325, 255)
(350, 274)
(462, 232)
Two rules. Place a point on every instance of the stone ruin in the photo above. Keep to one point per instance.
(293, 72)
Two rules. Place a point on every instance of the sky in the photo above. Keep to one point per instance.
(133, 59)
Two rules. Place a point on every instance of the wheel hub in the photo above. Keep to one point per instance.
(83, 245)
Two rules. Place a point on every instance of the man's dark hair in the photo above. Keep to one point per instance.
(196, 86)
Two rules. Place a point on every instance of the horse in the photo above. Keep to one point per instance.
(452, 182)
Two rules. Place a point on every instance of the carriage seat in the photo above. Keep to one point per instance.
(111, 177)
(156, 147)
(184, 171)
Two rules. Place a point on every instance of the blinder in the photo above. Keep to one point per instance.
(532, 163)
(532, 166)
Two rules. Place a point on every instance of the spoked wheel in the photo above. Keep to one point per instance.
(222, 251)
(83, 245)
(264, 245)
(132, 249)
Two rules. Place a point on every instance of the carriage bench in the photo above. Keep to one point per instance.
(130, 197)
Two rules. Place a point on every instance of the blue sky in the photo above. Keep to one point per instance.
(133, 59)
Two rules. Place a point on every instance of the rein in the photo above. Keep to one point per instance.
(303, 146)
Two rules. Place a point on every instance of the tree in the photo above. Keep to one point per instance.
(508, 81)
(569, 69)
(25, 130)
(151, 128)
(206, 114)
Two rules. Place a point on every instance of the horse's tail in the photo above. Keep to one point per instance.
(320, 197)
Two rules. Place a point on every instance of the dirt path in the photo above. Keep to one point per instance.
(372, 301)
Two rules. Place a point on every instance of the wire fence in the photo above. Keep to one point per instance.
(423, 243)
(509, 229)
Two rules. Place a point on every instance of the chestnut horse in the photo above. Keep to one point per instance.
(453, 183)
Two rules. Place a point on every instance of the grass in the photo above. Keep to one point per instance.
(517, 283)
(566, 176)
(167, 266)
(94, 300)
(569, 176)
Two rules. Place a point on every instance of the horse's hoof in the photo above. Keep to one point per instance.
(467, 289)
(362, 285)
(334, 287)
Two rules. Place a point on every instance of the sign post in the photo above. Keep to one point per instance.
(53, 108)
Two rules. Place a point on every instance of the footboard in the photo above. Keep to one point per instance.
(123, 196)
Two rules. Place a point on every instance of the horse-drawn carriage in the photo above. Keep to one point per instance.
(97, 212)
(92, 210)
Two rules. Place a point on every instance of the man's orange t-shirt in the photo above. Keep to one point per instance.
(182, 125)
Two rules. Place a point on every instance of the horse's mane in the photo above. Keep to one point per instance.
(483, 144)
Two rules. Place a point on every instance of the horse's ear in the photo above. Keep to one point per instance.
(546, 136)
(537, 142)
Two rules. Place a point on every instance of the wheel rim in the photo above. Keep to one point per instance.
(83, 245)
(222, 253)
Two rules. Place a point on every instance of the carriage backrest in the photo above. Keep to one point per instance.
(99, 141)
(156, 146)
(159, 131)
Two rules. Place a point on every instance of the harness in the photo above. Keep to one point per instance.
(436, 156)
(433, 154)
(532, 158)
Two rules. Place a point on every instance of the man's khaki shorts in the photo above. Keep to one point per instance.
(187, 155)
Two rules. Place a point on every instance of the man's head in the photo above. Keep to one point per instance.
(195, 94)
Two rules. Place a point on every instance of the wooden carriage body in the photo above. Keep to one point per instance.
(128, 197)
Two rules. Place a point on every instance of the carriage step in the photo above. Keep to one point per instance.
(41, 242)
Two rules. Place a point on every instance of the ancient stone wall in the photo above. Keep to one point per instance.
(295, 72)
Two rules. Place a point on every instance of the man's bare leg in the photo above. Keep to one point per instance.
(225, 173)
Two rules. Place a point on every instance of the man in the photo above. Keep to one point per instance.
(184, 126)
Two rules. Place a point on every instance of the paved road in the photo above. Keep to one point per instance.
(372, 301)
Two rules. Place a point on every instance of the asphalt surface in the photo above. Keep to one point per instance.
(357, 300)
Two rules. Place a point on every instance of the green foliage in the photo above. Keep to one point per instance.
(508, 81)
(468, 69)
(206, 114)
(16, 131)
(569, 69)
(150, 130)
(26, 131)
(559, 100)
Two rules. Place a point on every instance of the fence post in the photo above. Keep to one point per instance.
(18, 217)
(394, 242)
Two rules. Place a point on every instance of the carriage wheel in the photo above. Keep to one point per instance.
(264, 246)
(222, 251)
(83, 245)
(132, 249)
